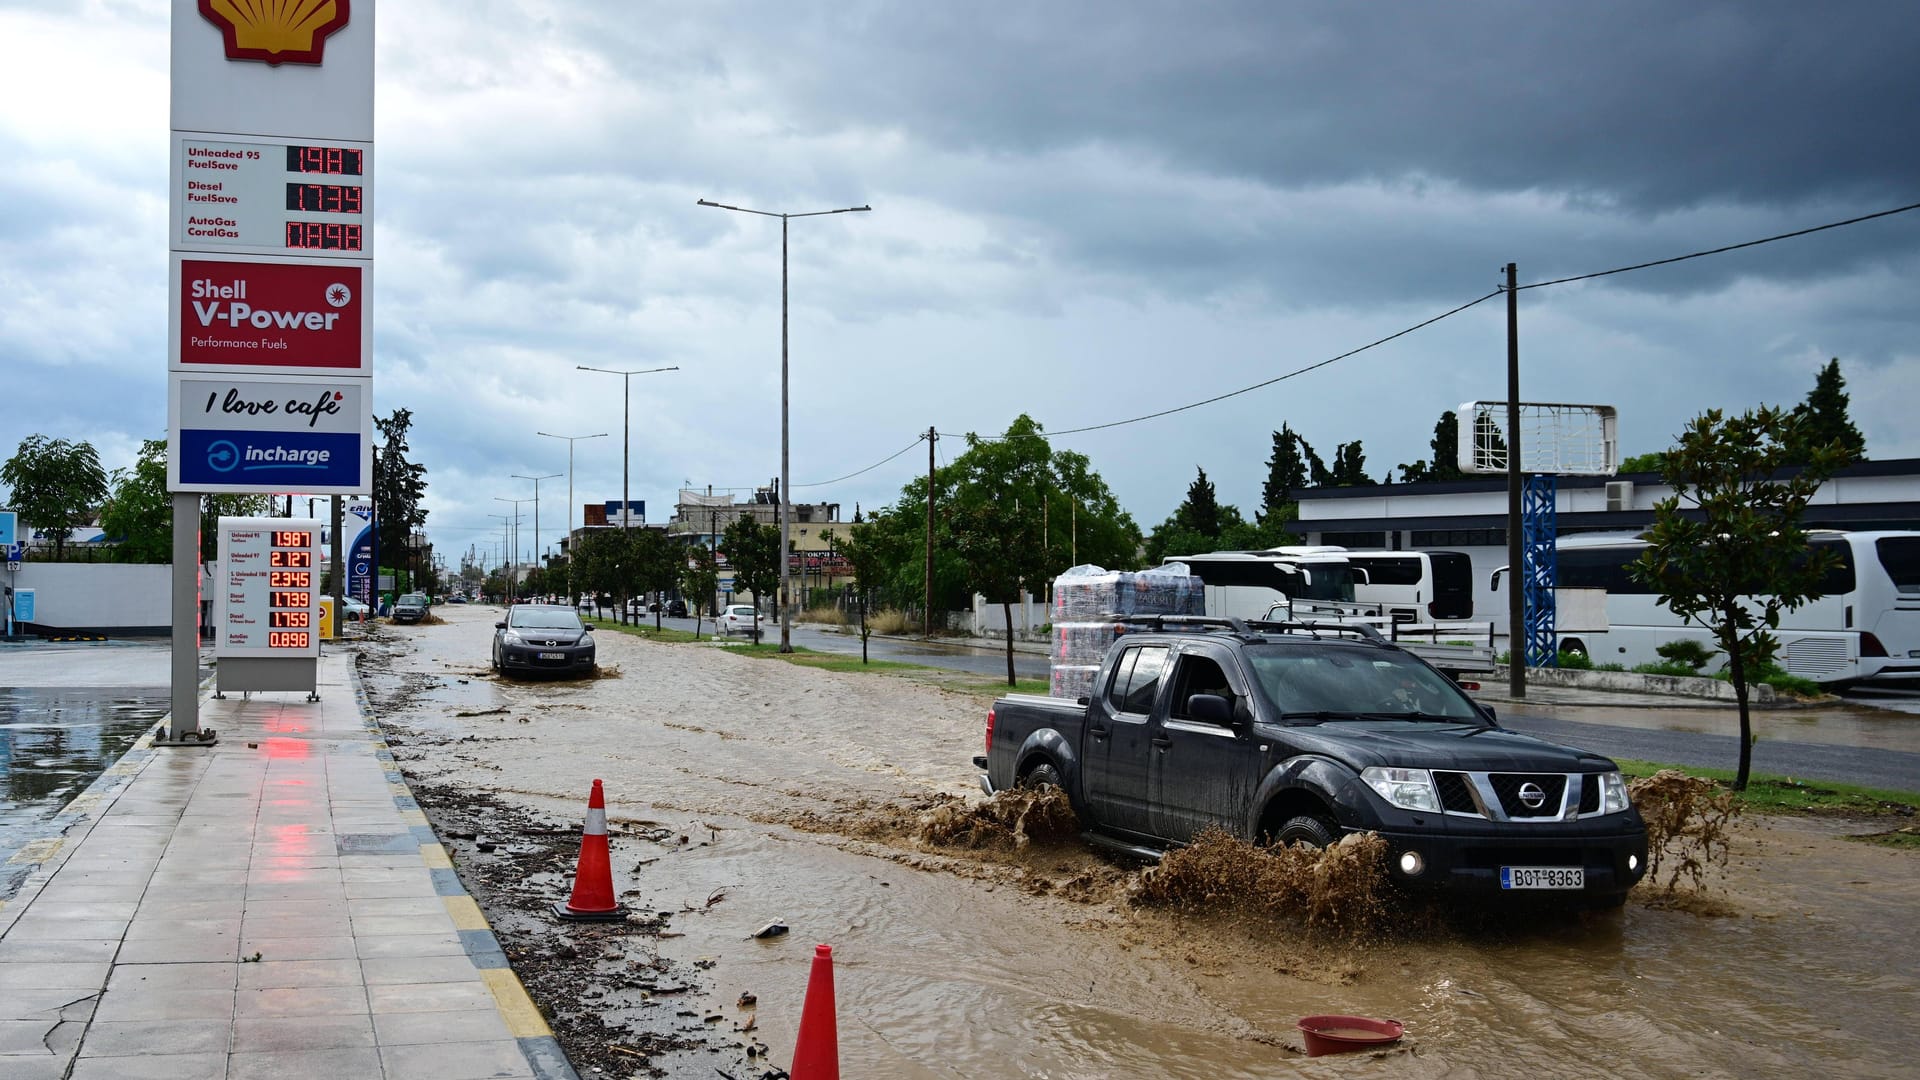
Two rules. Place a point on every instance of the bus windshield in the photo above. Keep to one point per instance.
(1330, 581)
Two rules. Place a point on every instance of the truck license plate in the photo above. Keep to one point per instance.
(553, 656)
(1543, 877)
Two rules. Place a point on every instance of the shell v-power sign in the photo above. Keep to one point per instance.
(270, 342)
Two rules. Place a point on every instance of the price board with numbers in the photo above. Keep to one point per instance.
(269, 587)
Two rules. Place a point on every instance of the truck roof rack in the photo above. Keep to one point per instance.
(1255, 627)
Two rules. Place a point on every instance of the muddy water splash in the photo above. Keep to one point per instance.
(1689, 826)
(1342, 888)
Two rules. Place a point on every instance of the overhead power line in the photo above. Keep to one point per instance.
(868, 469)
(1722, 250)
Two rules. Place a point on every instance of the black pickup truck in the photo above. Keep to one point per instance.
(1302, 732)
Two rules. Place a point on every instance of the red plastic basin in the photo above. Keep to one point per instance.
(1345, 1034)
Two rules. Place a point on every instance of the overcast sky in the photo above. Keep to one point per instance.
(1081, 211)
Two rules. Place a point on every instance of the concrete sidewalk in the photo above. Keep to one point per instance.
(272, 906)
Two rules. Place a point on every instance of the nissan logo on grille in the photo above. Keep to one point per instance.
(1532, 795)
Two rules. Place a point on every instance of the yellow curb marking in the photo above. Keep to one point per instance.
(34, 851)
(435, 857)
(398, 788)
(413, 817)
(465, 912)
(516, 1008)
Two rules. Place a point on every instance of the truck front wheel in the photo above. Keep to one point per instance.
(1042, 775)
(1305, 829)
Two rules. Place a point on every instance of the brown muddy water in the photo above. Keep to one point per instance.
(800, 795)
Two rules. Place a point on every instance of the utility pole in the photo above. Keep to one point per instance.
(1516, 597)
(932, 436)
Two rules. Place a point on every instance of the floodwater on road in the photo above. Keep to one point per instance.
(767, 784)
(67, 712)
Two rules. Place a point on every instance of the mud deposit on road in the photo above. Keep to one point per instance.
(844, 807)
(615, 1003)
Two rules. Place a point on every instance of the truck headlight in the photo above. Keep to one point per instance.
(1408, 789)
(1613, 793)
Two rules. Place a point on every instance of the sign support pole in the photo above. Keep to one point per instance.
(183, 724)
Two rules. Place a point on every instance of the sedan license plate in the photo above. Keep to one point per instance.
(553, 656)
(1543, 877)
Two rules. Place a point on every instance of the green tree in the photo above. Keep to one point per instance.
(699, 582)
(657, 562)
(1203, 523)
(1824, 414)
(56, 485)
(1286, 472)
(996, 518)
(398, 487)
(138, 515)
(1446, 454)
(753, 555)
(1726, 549)
(1350, 466)
(1653, 462)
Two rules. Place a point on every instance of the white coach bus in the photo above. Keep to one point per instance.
(1865, 625)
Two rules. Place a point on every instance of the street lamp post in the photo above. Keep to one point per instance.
(571, 439)
(538, 560)
(786, 480)
(514, 553)
(626, 440)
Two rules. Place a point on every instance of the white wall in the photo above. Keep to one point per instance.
(102, 596)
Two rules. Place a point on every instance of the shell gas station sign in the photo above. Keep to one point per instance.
(269, 345)
(271, 238)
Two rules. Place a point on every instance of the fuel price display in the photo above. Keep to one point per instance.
(271, 588)
(274, 197)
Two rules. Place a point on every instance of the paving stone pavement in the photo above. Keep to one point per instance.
(274, 905)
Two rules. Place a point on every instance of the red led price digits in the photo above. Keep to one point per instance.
(323, 236)
(287, 639)
(332, 160)
(290, 579)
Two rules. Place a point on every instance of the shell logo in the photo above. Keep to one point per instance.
(276, 31)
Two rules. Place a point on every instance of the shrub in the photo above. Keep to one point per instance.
(1609, 667)
(1686, 651)
(891, 621)
(1575, 661)
(1776, 676)
(826, 613)
(1665, 667)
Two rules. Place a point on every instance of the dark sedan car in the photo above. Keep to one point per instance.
(411, 608)
(677, 609)
(542, 637)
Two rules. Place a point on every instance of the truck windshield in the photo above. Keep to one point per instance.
(1337, 682)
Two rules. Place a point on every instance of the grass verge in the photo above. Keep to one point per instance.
(1770, 794)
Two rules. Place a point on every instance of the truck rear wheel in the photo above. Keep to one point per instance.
(1042, 775)
(1306, 829)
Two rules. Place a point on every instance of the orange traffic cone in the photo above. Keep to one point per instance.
(592, 899)
(816, 1049)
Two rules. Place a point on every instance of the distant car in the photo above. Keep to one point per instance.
(457, 599)
(677, 609)
(542, 637)
(739, 619)
(355, 611)
(411, 608)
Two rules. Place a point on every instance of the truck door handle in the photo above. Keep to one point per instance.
(1097, 732)
(1163, 742)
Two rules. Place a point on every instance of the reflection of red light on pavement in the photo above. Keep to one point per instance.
(286, 748)
(286, 724)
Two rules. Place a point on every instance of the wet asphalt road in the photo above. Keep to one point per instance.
(1891, 769)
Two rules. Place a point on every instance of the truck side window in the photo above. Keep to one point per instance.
(1197, 675)
(1122, 670)
(1144, 684)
